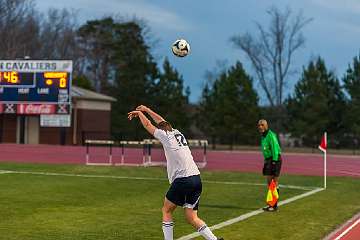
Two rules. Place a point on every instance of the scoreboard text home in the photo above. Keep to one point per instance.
(37, 87)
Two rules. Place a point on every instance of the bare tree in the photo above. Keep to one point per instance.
(271, 52)
(18, 28)
(58, 33)
(26, 32)
(58, 37)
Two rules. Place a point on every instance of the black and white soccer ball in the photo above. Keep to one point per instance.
(180, 48)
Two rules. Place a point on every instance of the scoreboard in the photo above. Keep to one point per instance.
(36, 84)
(27, 81)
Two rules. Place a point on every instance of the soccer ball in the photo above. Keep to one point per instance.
(180, 48)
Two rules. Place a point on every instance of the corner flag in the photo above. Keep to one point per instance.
(323, 144)
(272, 195)
(323, 147)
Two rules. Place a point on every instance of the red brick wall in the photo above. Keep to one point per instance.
(51, 135)
(94, 124)
(91, 124)
(8, 128)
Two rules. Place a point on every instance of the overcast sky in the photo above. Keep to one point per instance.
(208, 24)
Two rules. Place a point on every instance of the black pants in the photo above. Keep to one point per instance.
(185, 192)
(272, 168)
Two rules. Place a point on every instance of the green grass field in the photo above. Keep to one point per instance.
(37, 206)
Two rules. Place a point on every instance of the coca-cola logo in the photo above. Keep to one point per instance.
(35, 109)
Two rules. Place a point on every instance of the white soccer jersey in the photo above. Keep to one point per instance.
(179, 161)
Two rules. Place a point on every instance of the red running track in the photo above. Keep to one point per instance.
(299, 164)
(349, 231)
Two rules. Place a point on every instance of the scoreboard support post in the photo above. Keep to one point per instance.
(62, 136)
(22, 129)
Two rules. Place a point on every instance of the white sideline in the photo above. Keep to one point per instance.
(82, 175)
(146, 178)
(250, 214)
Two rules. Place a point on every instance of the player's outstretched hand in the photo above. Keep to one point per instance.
(133, 114)
(142, 108)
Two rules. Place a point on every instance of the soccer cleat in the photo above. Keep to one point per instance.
(265, 208)
(270, 209)
(220, 239)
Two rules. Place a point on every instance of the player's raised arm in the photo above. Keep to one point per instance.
(144, 121)
(156, 117)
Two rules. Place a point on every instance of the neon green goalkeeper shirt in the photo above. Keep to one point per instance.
(270, 146)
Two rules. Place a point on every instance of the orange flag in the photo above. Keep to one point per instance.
(272, 195)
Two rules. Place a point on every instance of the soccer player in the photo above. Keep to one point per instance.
(183, 174)
(272, 155)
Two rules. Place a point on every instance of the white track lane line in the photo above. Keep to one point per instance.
(348, 229)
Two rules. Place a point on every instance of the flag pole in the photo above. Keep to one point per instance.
(325, 162)
(323, 148)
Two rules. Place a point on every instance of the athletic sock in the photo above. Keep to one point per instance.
(167, 228)
(206, 233)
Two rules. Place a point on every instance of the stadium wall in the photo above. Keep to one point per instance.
(90, 115)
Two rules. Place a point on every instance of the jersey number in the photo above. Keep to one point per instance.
(181, 140)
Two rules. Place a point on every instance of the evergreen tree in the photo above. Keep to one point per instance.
(229, 109)
(82, 81)
(135, 75)
(171, 99)
(317, 105)
(205, 116)
(118, 59)
(352, 86)
(96, 40)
